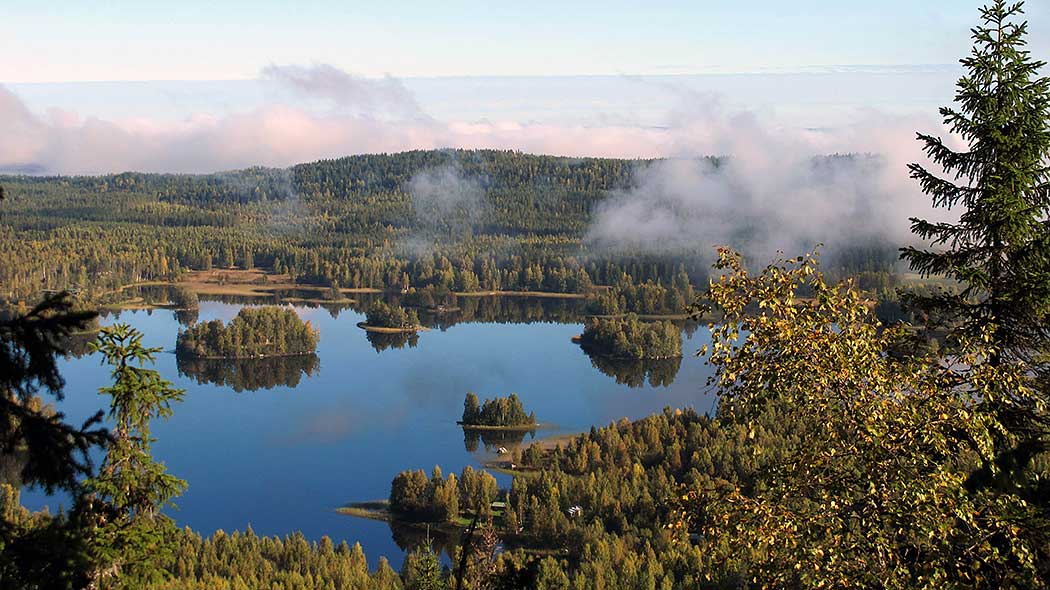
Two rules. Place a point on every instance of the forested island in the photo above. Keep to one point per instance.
(381, 317)
(500, 412)
(630, 338)
(255, 332)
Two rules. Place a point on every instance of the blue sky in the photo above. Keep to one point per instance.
(59, 41)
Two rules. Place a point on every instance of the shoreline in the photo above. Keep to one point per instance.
(386, 330)
(245, 358)
(513, 428)
(259, 283)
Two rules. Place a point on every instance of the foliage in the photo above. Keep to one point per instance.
(500, 411)
(631, 338)
(39, 448)
(244, 561)
(438, 499)
(255, 332)
(129, 535)
(871, 491)
(382, 315)
(999, 250)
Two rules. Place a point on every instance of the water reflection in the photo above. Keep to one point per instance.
(494, 439)
(249, 374)
(381, 341)
(187, 317)
(636, 372)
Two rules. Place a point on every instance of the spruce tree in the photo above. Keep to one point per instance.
(999, 249)
(130, 537)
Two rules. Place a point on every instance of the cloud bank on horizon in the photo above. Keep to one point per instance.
(342, 114)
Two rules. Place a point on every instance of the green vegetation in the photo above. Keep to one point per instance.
(381, 315)
(244, 561)
(128, 534)
(255, 332)
(631, 338)
(501, 412)
(841, 454)
(415, 497)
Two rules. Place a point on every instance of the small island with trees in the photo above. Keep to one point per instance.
(630, 338)
(390, 319)
(256, 332)
(499, 413)
(447, 503)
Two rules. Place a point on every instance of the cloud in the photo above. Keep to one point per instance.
(367, 96)
(775, 189)
(346, 115)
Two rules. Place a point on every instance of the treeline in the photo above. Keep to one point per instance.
(498, 412)
(245, 561)
(630, 338)
(349, 222)
(414, 496)
(254, 332)
(647, 298)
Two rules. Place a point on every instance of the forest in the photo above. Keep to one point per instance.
(439, 499)
(630, 338)
(845, 451)
(255, 332)
(352, 223)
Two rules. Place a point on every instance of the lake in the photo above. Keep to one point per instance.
(280, 445)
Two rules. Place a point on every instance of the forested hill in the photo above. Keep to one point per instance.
(461, 220)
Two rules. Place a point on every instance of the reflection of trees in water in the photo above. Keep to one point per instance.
(408, 537)
(634, 373)
(249, 374)
(187, 317)
(277, 298)
(501, 309)
(493, 439)
(79, 345)
(381, 341)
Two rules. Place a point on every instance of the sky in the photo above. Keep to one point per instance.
(94, 86)
(62, 41)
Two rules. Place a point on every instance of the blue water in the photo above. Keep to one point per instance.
(283, 459)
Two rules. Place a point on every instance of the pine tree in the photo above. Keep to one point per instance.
(130, 538)
(999, 250)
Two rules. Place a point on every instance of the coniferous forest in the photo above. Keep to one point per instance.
(254, 333)
(895, 443)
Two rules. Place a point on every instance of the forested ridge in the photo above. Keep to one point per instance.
(349, 222)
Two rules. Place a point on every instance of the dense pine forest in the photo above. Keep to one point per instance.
(256, 332)
(629, 338)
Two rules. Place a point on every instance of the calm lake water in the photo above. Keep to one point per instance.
(281, 446)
